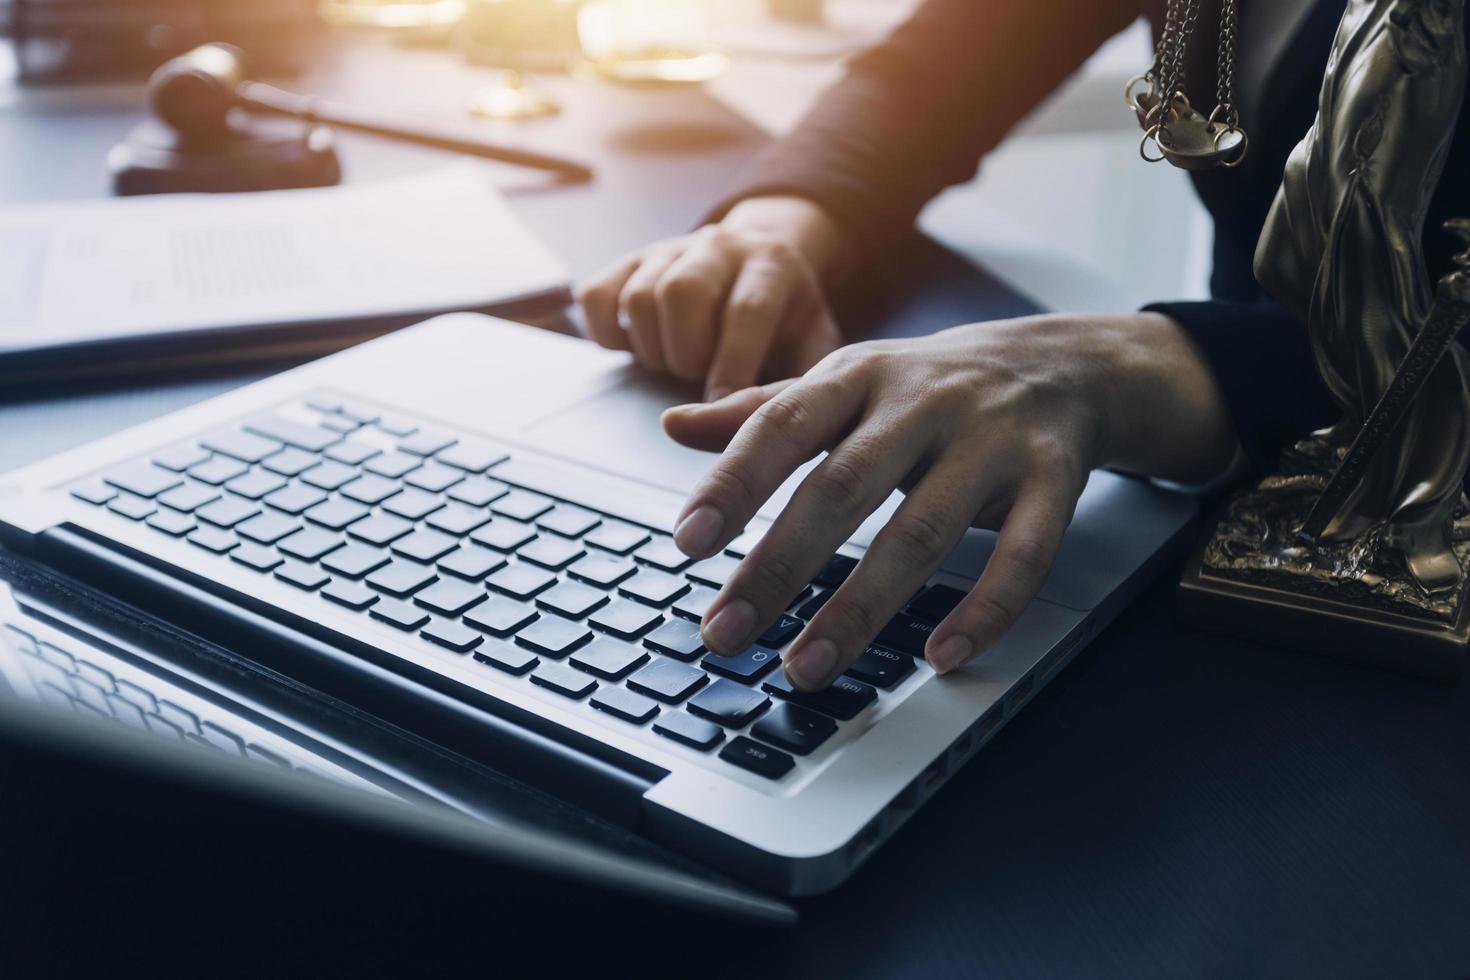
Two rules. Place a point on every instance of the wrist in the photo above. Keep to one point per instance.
(804, 225)
(1163, 412)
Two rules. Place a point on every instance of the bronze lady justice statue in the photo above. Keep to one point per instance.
(1355, 545)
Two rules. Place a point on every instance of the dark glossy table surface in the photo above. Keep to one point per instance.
(1174, 804)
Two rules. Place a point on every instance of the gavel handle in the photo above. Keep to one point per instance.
(259, 97)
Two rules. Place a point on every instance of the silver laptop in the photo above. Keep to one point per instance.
(468, 522)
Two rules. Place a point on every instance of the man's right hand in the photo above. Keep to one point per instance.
(731, 304)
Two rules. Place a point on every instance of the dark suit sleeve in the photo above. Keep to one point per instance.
(915, 114)
(1262, 360)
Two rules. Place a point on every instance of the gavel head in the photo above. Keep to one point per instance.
(195, 92)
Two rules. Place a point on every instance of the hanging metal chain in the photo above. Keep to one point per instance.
(1179, 132)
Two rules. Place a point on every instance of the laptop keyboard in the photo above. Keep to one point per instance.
(433, 535)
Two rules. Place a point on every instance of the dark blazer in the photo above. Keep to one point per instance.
(916, 114)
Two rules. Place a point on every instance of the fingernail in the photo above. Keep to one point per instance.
(697, 534)
(809, 667)
(951, 653)
(731, 627)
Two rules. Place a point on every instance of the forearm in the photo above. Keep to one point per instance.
(916, 113)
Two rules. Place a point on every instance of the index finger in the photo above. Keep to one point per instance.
(783, 433)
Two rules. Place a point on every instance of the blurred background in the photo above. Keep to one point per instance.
(1073, 237)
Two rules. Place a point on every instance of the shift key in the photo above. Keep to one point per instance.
(905, 634)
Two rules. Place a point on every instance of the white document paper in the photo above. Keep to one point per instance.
(117, 268)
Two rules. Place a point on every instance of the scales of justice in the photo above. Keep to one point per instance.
(1359, 546)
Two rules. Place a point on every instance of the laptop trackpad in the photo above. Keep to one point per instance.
(618, 430)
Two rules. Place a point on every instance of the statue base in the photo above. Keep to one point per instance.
(1251, 578)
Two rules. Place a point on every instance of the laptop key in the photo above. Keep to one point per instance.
(905, 634)
(553, 636)
(935, 603)
(654, 588)
(730, 704)
(189, 496)
(500, 616)
(693, 604)
(379, 529)
(503, 534)
(603, 571)
(522, 505)
(478, 491)
(295, 499)
(425, 546)
(218, 469)
(754, 757)
(504, 656)
(450, 596)
(241, 445)
(781, 632)
(471, 562)
(451, 635)
(257, 556)
(354, 561)
(457, 519)
(310, 544)
(180, 458)
(617, 537)
(341, 423)
(227, 511)
(370, 489)
(668, 680)
(396, 612)
(626, 619)
(624, 704)
(752, 664)
(94, 492)
(396, 425)
(677, 638)
(433, 477)
(392, 464)
(425, 443)
(794, 728)
(471, 457)
(311, 438)
(302, 575)
(835, 572)
(714, 572)
(290, 462)
(811, 606)
(132, 507)
(570, 599)
(843, 700)
(563, 680)
(663, 554)
(607, 658)
(361, 414)
(521, 581)
(568, 521)
(685, 729)
(401, 578)
(143, 479)
(353, 595)
(551, 551)
(329, 475)
(267, 528)
(352, 452)
(213, 539)
(171, 522)
(336, 513)
(413, 504)
(880, 667)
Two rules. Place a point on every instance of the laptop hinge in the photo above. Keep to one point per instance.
(521, 745)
